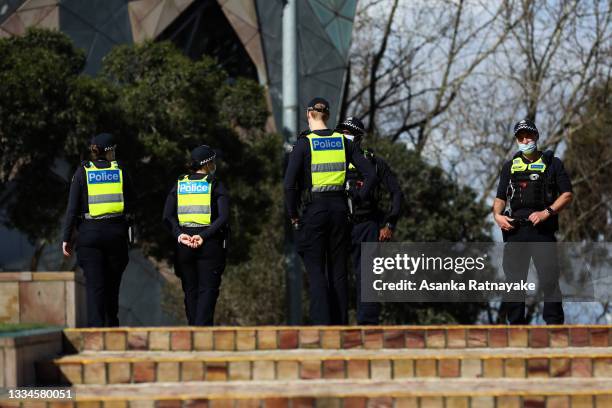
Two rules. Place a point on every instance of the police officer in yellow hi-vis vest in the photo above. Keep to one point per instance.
(197, 214)
(538, 188)
(100, 198)
(317, 167)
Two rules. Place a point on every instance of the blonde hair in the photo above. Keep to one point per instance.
(319, 112)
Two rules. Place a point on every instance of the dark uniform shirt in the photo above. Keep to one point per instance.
(77, 198)
(387, 178)
(557, 174)
(298, 175)
(219, 215)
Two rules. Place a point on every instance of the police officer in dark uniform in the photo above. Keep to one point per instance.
(100, 198)
(369, 222)
(317, 167)
(197, 214)
(538, 188)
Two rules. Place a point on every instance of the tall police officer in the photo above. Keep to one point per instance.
(538, 188)
(317, 166)
(369, 223)
(100, 197)
(197, 213)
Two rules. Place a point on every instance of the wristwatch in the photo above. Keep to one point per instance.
(390, 226)
(550, 211)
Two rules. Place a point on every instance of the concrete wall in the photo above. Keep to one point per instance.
(20, 351)
(55, 298)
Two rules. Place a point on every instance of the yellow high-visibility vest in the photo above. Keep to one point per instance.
(518, 165)
(328, 162)
(104, 190)
(193, 202)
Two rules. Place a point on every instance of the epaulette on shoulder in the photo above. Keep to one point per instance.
(304, 133)
(182, 176)
(86, 163)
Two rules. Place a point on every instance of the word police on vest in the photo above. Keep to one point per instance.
(328, 143)
(197, 187)
(103, 176)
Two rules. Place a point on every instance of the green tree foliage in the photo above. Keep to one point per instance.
(170, 104)
(39, 85)
(588, 160)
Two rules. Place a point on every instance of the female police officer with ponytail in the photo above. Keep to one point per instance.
(100, 197)
(197, 213)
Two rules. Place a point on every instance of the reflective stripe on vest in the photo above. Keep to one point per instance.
(104, 190)
(328, 162)
(193, 202)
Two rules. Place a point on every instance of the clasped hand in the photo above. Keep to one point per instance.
(192, 241)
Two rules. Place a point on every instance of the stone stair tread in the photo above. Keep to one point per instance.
(325, 354)
(346, 388)
(331, 328)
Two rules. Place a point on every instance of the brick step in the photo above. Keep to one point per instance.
(335, 337)
(148, 366)
(431, 393)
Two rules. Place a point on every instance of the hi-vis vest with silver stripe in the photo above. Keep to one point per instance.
(328, 162)
(104, 191)
(193, 202)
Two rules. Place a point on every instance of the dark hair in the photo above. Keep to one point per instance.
(95, 152)
(195, 165)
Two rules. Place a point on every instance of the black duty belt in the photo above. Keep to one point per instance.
(329, 194)
(521, 222)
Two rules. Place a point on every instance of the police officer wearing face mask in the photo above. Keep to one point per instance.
(197, 214)
(317, 166)
(538, 188)
(369, 222)
(99, 199)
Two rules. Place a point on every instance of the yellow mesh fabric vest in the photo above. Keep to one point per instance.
(328, 162)
(193, 202)
(104, 190)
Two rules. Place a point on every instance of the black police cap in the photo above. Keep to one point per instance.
(312, 105)
(104, 141)
(203, 154)
(353, 125)
(527, 125)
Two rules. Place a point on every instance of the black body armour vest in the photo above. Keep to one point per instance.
(530, 183)
(354, 179)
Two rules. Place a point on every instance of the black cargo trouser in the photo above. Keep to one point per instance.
(367, 231)
(102, 254)
(200, 270)
(523, 243)
(323, 245)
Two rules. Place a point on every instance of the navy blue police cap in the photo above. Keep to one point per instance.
(104, 141)
(353, 125)
(527, 125)
(315, 105)
(203, 154)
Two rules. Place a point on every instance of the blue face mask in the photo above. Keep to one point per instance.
(528, 148)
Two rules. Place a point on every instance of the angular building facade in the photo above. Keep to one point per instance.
(244, 35)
